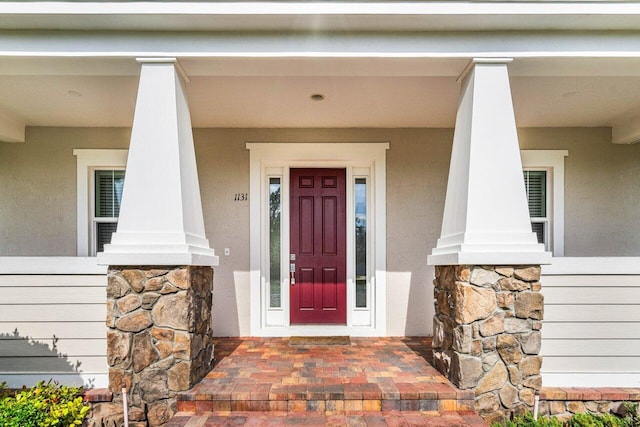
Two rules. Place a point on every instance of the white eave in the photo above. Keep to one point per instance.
(320, 16)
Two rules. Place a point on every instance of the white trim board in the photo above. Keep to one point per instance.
(15, 265)
(591, 379)
(269, 158)
(352, 15)
(80, 379)
(553, 161)
(592, 266)
(87, 160)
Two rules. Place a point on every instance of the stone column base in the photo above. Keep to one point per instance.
(158, 337)
(487, 334)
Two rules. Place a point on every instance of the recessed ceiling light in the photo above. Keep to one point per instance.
(74, 93)
(317, 97)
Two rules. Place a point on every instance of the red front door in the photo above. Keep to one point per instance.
(318, 242)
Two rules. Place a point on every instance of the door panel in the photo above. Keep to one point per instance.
(318, 240)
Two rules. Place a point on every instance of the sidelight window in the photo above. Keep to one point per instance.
(360, 192)
(275, 215)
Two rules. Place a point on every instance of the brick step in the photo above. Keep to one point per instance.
(356, 418)
(337, 398)
(371, 382)
(323, 406)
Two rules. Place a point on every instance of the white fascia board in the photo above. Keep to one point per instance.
(348, 16)
(448, 45)
(316, 8)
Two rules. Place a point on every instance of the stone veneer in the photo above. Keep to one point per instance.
(564, 402)
(487, 334)
(158, 337)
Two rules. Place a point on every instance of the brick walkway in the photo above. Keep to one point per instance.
(370, 419)
(372, 382)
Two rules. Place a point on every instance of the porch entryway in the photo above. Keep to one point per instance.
(318, 239)
(365, 381)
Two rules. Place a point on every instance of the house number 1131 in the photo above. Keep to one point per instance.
(241, 197)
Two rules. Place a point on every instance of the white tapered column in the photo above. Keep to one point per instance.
(161, 221)
(486, 217)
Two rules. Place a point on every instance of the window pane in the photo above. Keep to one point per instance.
(108, 193)
(274, 242)
(536, 186)
(361, 242)
(103, 234)
(539, 229)
(118, 185)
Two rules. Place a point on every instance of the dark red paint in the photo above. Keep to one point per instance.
(319, 240)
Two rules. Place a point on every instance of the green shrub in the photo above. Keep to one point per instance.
(629, 418)
(45, 405)
(596, 420)
(4, 392)
(630, 413)
(527, 420)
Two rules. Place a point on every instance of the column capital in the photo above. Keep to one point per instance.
(486, 217)
(476, 61)
(161, 220)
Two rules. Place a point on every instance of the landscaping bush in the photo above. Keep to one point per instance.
(596, 420)
(628, 417)
(45, 405)
(527, 420)
(4, 392)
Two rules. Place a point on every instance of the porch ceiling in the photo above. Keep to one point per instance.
(275, 92)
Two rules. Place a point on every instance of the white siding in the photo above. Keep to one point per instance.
(591, 331)
(52, 321)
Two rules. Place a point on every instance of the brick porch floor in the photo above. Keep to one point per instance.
(371, 382)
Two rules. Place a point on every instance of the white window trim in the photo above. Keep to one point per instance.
(552, 161)
(275, 159)
(89, 160)
(546, 220)
(93, 219)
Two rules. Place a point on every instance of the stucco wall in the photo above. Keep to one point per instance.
(417, 165)
(38, 188)
(38, 194)
(602, 189)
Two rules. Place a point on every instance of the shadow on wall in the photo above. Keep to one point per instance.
(22, 358)
(231, 303)
(420, 308)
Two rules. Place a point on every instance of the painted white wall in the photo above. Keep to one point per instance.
(591, 331)
(52, 313)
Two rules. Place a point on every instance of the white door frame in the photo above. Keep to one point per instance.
(359, 160)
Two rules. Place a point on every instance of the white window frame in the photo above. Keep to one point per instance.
(551, 161)
(88, 161)
(93, 235)
(369, 273)
(548, 239)
(274, 313)
(275, 160)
